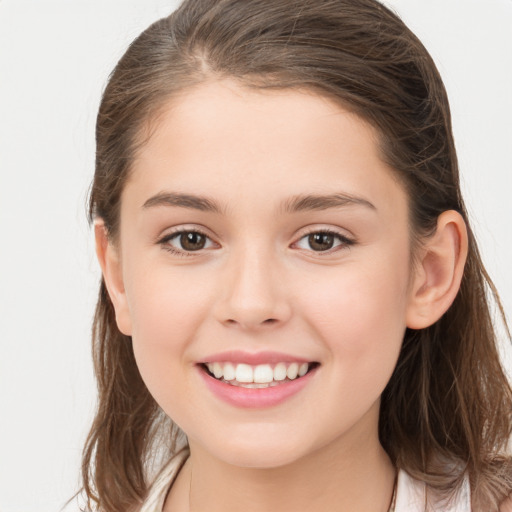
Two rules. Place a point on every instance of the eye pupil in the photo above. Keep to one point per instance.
(191, 241)
(321, 241)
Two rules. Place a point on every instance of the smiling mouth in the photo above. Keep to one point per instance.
(257, 376)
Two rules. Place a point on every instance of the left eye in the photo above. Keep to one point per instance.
(188, 241)
(322, 241)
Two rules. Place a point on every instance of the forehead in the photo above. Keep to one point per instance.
(227, 139)
(210, 111)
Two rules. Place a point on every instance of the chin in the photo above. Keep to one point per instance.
(260, 458)
(262, 451)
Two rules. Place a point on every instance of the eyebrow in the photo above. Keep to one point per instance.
(297, 203)
(193, 202)
(323, 202)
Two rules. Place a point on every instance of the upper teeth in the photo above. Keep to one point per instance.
(260, 374)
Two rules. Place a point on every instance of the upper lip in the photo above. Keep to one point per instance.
(253, 358)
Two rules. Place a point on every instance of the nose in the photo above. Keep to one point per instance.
(253, 293)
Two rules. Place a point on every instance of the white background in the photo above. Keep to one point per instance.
(55, 57)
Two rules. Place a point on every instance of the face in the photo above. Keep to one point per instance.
(262, 237)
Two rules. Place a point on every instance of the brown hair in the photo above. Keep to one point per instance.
(447, 408)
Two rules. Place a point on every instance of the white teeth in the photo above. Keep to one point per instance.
(244, 373)
(229, 372)
(218, 370)
(280, 371)
(292, 371)
(261, 375)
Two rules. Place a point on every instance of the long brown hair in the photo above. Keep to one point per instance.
(447, 409)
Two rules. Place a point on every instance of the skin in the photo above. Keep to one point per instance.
(506, 505)
(259, 285)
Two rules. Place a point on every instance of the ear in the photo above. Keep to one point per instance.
(438, 273)
(110, 262)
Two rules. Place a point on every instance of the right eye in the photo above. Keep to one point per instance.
(186, 241)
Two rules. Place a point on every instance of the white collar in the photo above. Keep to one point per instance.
(411, 496)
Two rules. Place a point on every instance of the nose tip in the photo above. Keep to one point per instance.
(253, 297)
(258, 312)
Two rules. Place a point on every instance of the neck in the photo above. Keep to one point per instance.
(352, 473)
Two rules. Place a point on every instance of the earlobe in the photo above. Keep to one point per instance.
(110, 263)
(439, 272)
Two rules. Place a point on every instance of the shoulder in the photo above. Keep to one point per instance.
(415, 496)
(163, 482)
(506, 505)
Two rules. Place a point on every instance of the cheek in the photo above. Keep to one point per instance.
(363, 337)
(360, 318)
(164, 303)
(166, 313)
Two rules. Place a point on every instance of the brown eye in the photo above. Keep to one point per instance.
(321, 241)
(184, 242)
(192, 241)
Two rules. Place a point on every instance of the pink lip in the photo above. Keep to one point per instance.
(254, 397)
(237, 356)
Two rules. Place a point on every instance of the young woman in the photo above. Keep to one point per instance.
(293, 313)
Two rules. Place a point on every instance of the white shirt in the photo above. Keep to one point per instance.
(411, 496)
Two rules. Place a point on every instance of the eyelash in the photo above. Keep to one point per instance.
(164, 242)
(345, 242)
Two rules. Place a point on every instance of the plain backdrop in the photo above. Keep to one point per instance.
(55, 57)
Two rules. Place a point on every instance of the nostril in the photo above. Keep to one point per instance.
(268, 321)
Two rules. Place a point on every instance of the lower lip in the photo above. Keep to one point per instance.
(255, 397)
